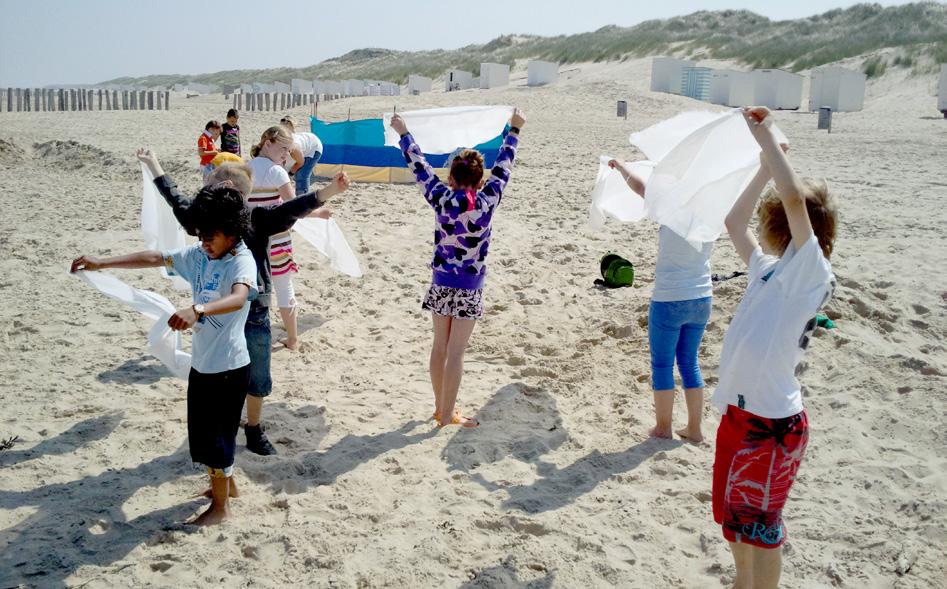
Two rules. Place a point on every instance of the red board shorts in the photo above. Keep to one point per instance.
(755, 465)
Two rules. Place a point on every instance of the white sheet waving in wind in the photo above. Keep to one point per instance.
(163, 342)
(442, 130)
(160, 229)
(612, 197)
(703, 161)
(326, 236)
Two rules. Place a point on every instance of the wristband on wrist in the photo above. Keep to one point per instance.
(515, 130)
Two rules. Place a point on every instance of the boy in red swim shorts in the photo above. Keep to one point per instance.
(764, 431)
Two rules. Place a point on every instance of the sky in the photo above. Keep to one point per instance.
(44, 42)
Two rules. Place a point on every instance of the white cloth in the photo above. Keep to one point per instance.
(681, 273)
(701, 162)
(160, 229)
(326, 236)
(442, 130)
(611, 196)
(770, 331)
(163, 342)
(307, 143)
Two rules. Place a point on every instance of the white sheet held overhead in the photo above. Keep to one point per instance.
(612, 197)
(703, 161)
(163, 343)
(161, 230)
(326, 236)
(442, 130)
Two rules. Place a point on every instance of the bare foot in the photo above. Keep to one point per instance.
(660, 433)
(290, 345)
(211, 516)
(462, 421)
(693, 437)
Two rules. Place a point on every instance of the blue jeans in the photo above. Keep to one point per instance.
(675, 329)
(304, 173)
(259, 344)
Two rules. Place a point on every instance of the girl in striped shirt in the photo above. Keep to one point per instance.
(271, 186)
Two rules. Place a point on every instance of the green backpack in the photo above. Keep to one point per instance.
(616, 271)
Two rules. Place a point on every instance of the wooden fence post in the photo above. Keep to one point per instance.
(151, 100)
(141, 100)
(9, 99)
(167, 99)
(19, 99)
(238, 101)
(36, 99)
(267, 100)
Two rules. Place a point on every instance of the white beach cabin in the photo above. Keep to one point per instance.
(494, 75)
(732, 88)
(942, 90)
(778, 89)
(667, 73)
(418, 84)
(840, 89)
(541, 73)
(459, 80)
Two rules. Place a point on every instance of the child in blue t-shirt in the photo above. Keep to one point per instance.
(222, 275)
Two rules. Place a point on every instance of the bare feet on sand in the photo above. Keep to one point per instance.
(212, 515)
(692, 437)
(290, 345)
(655, 432)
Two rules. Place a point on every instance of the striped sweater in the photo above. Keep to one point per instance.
(461, 220)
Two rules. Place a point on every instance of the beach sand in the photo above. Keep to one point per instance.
(560, 486)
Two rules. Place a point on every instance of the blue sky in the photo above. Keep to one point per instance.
(61, 41)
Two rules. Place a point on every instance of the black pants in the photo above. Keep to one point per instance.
(214, 406)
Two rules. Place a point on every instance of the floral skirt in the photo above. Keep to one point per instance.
(462, 303)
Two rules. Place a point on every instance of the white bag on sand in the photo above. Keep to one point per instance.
(442, 130)
(703, 163)
(326, 236)
(163, 342)
(612, 197)
(160, 229)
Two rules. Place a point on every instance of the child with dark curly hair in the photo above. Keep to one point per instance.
(222, 275)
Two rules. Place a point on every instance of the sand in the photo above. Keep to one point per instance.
(560, 487)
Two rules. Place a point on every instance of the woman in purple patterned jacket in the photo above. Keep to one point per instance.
(463, 209)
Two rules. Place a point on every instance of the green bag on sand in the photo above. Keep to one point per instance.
(616, 271)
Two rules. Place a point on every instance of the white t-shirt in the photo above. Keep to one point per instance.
(307, 143)
(267, 178)
(681, 273)
(770, 331)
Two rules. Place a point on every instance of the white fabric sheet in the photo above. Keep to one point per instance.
(697, 180)
(612, 197)
(160, 229)
(326, 236)
(700, 163)
(442, 130)
(163, 342)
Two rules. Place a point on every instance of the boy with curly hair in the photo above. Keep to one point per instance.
(222, 275)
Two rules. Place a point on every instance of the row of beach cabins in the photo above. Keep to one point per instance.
(831, 87)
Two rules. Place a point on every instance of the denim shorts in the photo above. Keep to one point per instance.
(259, 344)
(675, 329)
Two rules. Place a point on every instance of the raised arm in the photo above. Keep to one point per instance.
(500, 173)
(435, 191)
(167, 188)
(633, 180)
(738, 219)
(143, 259)
(789, 185)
